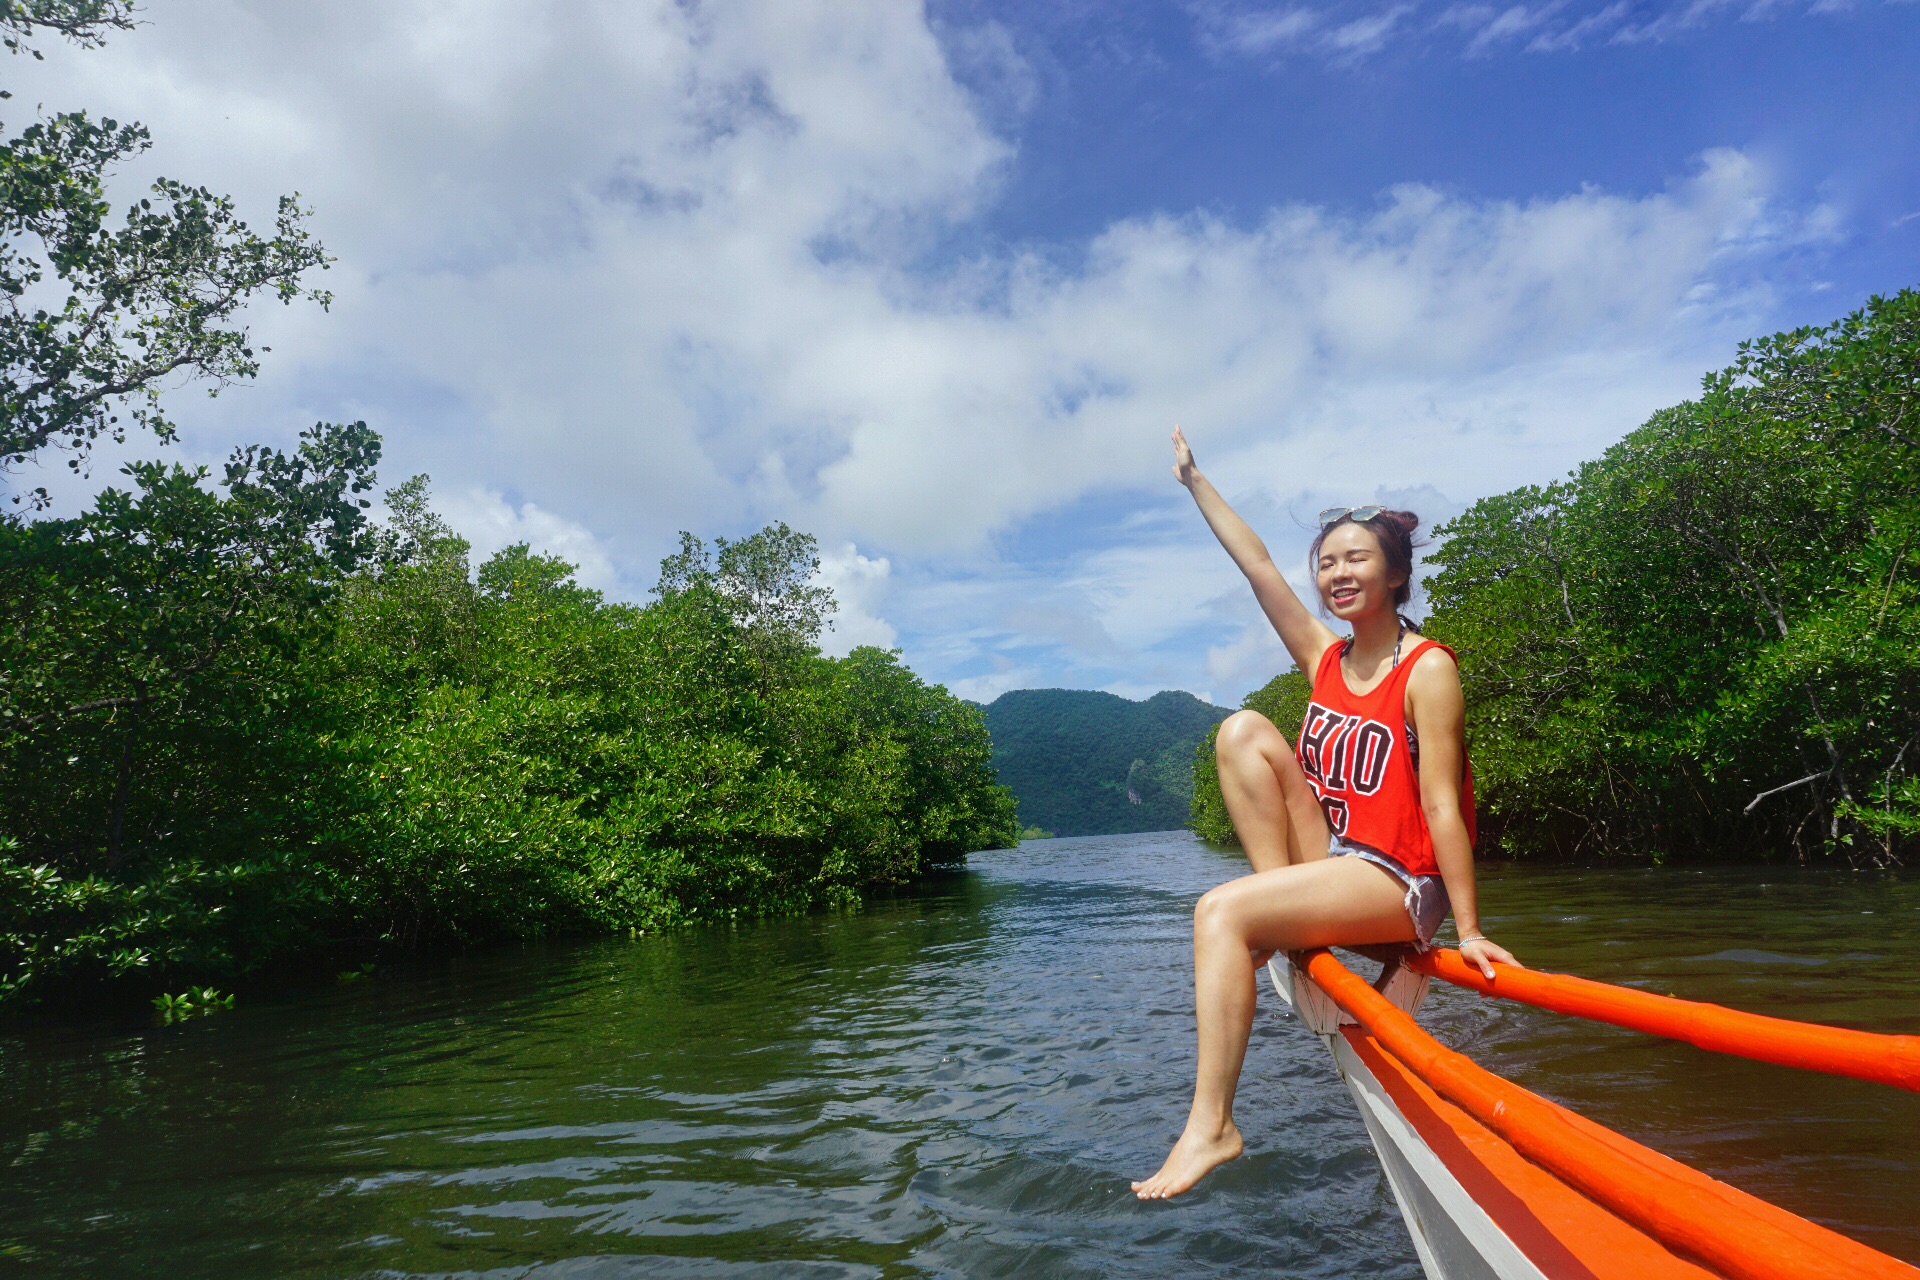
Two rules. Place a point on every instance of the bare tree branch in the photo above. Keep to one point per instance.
(1797, 782)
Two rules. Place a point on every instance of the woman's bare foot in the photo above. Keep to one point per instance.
(1194, 1156)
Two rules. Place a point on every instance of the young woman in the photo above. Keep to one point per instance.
(1362, 835)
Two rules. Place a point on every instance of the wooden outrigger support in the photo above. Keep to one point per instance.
(1733, 1234)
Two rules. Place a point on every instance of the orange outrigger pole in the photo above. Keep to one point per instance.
(1893, 1060)
(1737, 1235)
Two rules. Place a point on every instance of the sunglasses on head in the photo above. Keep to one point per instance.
(1333, 514)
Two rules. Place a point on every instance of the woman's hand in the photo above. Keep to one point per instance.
(1484, 953)
(1183, 469)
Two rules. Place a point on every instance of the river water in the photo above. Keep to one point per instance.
(957, 1082)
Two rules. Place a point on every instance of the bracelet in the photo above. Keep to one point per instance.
(1478, 937)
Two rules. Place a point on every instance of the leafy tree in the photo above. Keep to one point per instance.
(146, 644)
(94, 315)
(85, 22)
(766, 581)
(412, 613)
(444, 757)
(570, 764)
(1706, 639)
(952, 802)
(162, 726)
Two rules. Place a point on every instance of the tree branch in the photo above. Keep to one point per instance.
(1798, 782)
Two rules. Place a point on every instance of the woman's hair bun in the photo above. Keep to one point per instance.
(1403, 522)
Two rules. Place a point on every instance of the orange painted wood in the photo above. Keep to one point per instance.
(1563, 1233)
(1741, 1237)
(1863, 1055)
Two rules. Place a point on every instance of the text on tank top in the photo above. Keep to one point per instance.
(1363, 761)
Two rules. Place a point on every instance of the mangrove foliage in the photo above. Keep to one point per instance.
(240, 725)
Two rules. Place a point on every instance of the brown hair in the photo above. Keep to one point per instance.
(1393, 530)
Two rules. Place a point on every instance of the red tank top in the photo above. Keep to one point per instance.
(1363, 760)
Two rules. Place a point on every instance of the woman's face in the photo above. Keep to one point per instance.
(1352, 573)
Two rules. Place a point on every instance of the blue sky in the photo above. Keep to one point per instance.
(1160, 106)
(935, 283)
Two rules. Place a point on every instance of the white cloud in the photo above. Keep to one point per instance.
(489, 522)
(1587, 29)
(985, 688)
(1143, 593)
(652, 266)
(1368, 34)
(1343, 31)
(859, 585)
(1249, 659)
(1491, 28)
(1261, 31)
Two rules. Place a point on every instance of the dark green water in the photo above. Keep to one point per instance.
(956, 1083)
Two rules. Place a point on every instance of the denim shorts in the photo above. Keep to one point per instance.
(1427, 901)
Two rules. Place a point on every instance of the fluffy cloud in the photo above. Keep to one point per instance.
(490, 523)
(651, 266)
(985, 688)
(859, 585)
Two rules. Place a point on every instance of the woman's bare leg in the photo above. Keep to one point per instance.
(1312, 904)
(1274, 810)
(1272, 805)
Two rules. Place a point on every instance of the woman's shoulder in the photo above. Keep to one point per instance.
(1434, 667)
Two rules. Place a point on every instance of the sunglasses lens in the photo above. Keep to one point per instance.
(1331, 514)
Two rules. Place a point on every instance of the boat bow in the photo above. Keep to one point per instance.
(1495, 1181)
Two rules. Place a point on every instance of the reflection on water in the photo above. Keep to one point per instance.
(957, 1082)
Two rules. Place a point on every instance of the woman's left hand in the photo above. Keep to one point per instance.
(1183, 469)
(1484, 953)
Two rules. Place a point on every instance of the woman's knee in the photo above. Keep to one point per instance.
(1217, 912)
(1248, 732)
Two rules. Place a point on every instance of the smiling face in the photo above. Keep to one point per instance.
(1353, 575)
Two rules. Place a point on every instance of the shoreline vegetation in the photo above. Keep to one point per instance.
(217, 760)
(1705, 642)
(246, 732)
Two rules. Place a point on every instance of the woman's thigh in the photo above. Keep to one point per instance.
(1321, 903)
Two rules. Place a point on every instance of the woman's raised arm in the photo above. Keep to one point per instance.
(1305, 636)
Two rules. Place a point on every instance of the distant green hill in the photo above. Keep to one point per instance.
(1083, 763)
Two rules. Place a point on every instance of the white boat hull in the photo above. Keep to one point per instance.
(1453, 1235)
